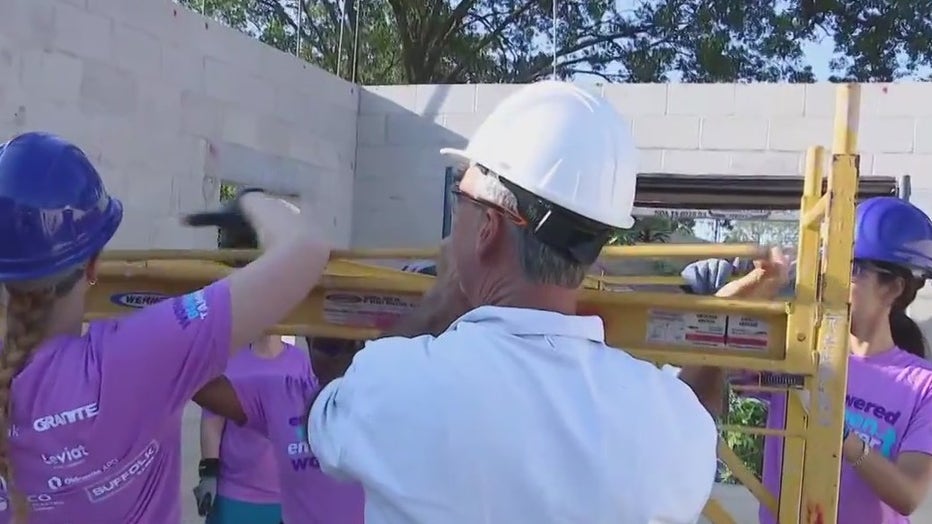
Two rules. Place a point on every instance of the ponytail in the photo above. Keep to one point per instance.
(28, 312)
(905, 331)
(26, 321)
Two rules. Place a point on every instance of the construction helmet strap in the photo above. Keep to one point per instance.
(574, 236)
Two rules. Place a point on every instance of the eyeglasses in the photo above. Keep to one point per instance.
(459, 194)
(859, 268)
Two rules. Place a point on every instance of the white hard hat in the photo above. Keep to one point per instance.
(564, 145)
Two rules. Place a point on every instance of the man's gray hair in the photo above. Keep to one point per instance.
(540, 263)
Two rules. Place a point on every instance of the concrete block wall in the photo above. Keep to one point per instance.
(761, 129)
(168, 104)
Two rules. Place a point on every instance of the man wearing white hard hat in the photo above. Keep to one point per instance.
(518, 412)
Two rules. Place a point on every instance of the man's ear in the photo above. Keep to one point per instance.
(491, 229)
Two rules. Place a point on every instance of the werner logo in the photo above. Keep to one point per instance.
(66, 457)
(85, 412)
(137, 300)
(124, 477)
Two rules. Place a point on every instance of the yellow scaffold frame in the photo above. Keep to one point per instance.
(805, 336)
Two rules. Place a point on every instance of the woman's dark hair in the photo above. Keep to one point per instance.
(905, 331)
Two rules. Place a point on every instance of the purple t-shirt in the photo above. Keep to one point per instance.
(889, 404)
(248, 469)
(277, 407)
(96, 435)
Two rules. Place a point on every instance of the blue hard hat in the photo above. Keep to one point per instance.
(893, 231)
(54, 211)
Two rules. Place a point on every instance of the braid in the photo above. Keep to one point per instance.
(27, 318)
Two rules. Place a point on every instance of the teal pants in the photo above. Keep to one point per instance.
(229, 511)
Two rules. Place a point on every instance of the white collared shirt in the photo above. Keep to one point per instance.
(515, 416)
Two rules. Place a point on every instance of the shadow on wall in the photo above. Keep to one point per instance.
(400, 174)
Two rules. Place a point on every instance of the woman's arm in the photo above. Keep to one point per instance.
(219, 397)
(764, 281)
(211, 435)
(902, 484)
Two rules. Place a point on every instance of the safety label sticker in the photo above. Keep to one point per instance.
(686, 328)
(373, 310)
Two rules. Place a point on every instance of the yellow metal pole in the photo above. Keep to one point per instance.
(801, 330)
(726, 251)
(827, 388)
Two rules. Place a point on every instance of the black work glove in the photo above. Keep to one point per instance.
(205, 493)
(235, 230)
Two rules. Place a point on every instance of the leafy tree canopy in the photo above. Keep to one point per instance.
(458, 41)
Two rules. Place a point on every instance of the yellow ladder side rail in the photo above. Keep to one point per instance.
(716, 513)
(822, 466)
(706, 250)
(801, 333)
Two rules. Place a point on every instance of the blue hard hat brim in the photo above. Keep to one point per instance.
(25, 270)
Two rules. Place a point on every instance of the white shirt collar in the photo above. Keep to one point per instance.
(530, 322)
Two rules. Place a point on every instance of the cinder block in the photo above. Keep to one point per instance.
(51, 75)
(735, 133)
(701, 99)
(897, 164)
(782, 100)
(274, 135)
(650, 160)
(225, 82)
(201, 115)
(923, 136)
(462, 125)
(106, 90)
(437, 99)
(488, 96)
(159, 106)
(820, 99)
(799, 133)
(693, 162)
(907, 99)
(766, 163)
(183, 67)
(371, 130)
(660, 132)
(28, 23)
(887, 135)
(83, 34)
(240, 126)
(136, 51)
(387, 99)
(635, 100)
(395, 162)
(411, 129)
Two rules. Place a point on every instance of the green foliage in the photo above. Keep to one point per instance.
(750, 448)
(461, 41)
(654, 229)
(227, 191)
(764, 232)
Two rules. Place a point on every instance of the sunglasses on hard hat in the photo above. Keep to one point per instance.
(459, 195)
(860, 267)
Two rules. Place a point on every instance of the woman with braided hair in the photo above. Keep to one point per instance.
(90, 423)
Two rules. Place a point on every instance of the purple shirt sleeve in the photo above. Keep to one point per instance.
(918, 436)
(250, 390)
(161, 355)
